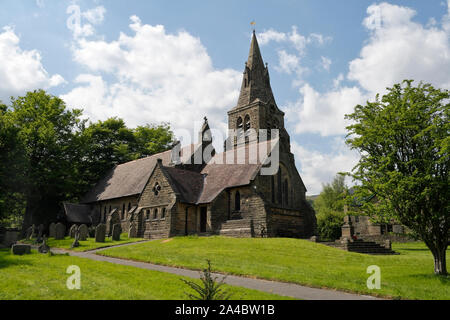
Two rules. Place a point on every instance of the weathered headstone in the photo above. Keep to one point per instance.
(40, 233)
(29, 233)
(116, 231)
(84, 232)
(314, 239)
(33, 233)
(73, 229)
(388, 244)
(100, 233)
(20, 249)
(44, 248)
(52, 230)
(60, 231)
(132, 232)
(76, 243)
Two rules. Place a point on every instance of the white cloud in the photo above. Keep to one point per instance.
(271, 35)
(21, 70)
(324, 113)
(75, 24)
(399, 48)
(288, 62)
(155, 76)
(95, 15)
(325, 63)
(317, 168)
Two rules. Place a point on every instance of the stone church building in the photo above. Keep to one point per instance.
(174, 194)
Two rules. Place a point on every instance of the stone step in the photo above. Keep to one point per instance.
(233, 224)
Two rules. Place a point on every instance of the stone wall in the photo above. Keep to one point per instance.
(157, 208)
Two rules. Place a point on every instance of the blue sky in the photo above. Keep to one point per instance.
(177, 61)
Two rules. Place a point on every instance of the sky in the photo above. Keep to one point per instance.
(178, 61)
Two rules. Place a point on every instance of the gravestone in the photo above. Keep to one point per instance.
(132, 232)
(73, 229)
(84, 232)
(44, 248)
(20, 249)
(116, 231)
(52, 230)
(100, 233)
(388, 244)
(40, 233)
(60, 231)
(76, 243)
(29, 233)
(34, 230)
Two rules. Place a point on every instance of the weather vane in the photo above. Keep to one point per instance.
(253, 24)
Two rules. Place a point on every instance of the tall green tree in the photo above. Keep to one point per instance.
(48, 136)
(329, 206)
(403, 139)
(11, 161)
(110, 142)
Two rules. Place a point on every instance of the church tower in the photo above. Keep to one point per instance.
(256, 108)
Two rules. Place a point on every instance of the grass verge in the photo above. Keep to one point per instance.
(407, 276)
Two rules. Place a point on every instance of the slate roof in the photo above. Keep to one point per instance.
(129, 179)
(192, 187)
(187, 184)
(77, 213)
(219, 175)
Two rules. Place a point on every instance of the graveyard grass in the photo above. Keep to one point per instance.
(405, 276)
(43, 277)
(89, 244)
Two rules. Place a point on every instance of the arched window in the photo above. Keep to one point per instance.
(247, 123)
(239, 124)
(147, 215)
(122, 215)
(237, 201)
(109, 209)
(129, 206)
(163, 213)
(104, 214)
(155, 213)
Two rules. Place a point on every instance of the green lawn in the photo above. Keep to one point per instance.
(89, 244)
(407, 276)
(40, 276)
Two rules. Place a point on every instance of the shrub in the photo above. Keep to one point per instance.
(209, 289)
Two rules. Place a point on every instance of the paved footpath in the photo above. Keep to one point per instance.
(280, 288)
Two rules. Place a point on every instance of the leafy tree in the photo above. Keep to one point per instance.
(11, 159)
(403, 139)
(49, 155)
(329, 206)
(110, 142)
(151, 139)
(47, 140)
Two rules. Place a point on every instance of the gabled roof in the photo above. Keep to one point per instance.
(187, 184)
(219, 175)
(77, 213)
(129, 179)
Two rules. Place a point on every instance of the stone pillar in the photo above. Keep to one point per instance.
(347, 228)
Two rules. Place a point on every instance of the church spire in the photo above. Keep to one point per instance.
(256, 81)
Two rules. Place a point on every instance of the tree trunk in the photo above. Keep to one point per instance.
(440, 266)
(28, 218)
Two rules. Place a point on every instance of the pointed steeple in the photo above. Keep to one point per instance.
(256, 81)
(254, 56)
